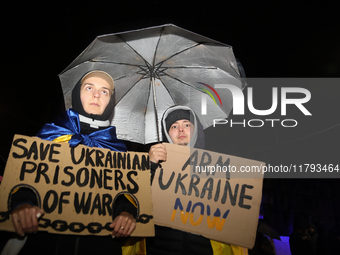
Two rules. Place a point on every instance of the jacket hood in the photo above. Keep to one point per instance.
(197, 138)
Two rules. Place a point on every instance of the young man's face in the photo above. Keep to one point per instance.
(180, 131)
(95, 94)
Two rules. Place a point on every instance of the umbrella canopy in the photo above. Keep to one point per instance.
(153, 69)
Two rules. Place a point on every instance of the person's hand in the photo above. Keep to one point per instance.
(157, 153)
(123, 225)
(25, 218)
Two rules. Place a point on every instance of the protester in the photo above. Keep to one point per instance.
(88, 123)
(181, 126)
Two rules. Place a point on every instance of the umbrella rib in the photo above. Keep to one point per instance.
(185, 83)
(114, 62)
(146, 62)
(177, 53)
(129, 90)
(192, 67)
(159, 39)
(172, 98)
(152, 81)
(142, 68)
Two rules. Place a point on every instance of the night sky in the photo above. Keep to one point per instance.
(270, 38)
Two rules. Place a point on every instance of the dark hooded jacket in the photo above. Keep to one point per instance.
(169, 241)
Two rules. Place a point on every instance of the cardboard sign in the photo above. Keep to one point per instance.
(76, 187)
(219, 207)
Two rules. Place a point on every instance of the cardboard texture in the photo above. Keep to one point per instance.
(76, 187)
(216, 207)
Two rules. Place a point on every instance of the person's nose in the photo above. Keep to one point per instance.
(96, 94)
(180, 128)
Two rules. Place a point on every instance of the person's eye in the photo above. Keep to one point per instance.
(104, 92)
(187, 125)
(174, 126)
(88, 88)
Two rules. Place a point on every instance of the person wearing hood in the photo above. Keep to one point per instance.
(88, 123)
(181, 126)
(178, 127)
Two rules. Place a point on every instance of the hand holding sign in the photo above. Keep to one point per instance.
(25, 218)
(123, 225)
(157, 153)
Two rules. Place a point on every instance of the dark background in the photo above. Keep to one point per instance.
(270, 38)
